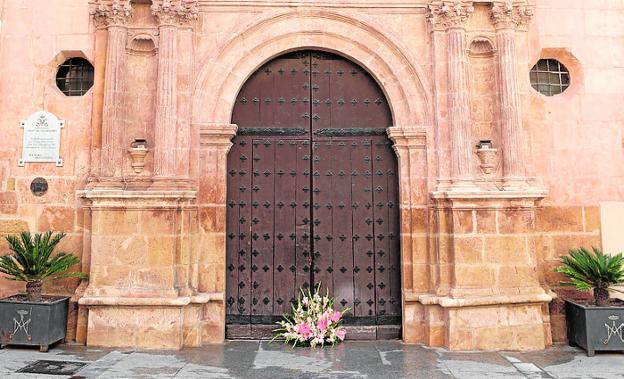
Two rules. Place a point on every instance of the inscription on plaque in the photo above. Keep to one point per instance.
(42, 139)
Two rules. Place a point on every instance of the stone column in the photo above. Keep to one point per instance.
(171, 15)
(451, 16)
(507, 18)
(114, 17)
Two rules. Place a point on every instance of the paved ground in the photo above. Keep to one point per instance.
(253, 359)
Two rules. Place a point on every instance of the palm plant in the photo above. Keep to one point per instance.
(597, 271)
(31, 261)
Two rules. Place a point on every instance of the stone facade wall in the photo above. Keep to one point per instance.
(477, 248)
(576, 136)
(35, 39)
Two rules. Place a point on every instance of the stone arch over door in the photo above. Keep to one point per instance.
(220, 80)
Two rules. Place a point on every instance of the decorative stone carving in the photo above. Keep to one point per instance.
(175, 11)
(137, 152)
(481, 47)
(115, 12)
(449, 14)
(488, 158)
(509, 16)
(142, 43)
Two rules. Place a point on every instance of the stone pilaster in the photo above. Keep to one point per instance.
(451, 16)
(215, 142)
(113, 16)
(410, 148)
(171, 16)
(506, 18)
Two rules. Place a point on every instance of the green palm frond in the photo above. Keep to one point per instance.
(31, 258)
(588, 270)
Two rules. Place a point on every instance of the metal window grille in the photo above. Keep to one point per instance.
(75, 77)
(549, 77)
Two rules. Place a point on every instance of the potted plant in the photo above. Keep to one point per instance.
(597, 325)
(32, 318)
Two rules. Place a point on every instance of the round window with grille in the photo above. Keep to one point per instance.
(549, 77)
(75, 77)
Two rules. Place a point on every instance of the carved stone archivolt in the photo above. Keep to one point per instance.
(114, 12)
(175, 12)
(449, 14)
(509, 16)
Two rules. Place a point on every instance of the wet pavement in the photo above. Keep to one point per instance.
(255, 359)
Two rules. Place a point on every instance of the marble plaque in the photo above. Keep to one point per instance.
(42, 139)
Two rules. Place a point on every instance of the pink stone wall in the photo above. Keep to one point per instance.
(577, 137)
(33, 38)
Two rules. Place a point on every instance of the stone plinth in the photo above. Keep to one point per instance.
(485, 292)
(141, 290)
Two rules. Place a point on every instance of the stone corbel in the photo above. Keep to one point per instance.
(217, 135)
(411, 137)
(215, 140)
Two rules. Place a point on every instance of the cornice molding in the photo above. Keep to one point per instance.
(510, 16)
(108, 13)
(444, 15)
(175, 12)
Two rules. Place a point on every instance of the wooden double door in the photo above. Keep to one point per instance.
(312, 197)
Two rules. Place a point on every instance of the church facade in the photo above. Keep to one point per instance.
(426, 162)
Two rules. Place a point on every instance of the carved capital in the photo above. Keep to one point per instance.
(449, 14)
(114, 12)
(510, 16)
(175, 12)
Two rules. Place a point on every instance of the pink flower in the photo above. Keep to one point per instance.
(336, 317)
(340, 333)
(303, 329)
(323, 323)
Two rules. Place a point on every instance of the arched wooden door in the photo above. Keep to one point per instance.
(312, 196)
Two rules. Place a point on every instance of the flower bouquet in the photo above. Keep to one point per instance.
(314, 321)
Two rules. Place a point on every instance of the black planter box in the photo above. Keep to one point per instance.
(33, 323)
(595, 328)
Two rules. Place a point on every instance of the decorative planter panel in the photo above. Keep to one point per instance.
(595, 328)
(33, 323)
